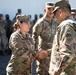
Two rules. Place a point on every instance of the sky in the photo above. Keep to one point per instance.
(72, 3)
(30, 7)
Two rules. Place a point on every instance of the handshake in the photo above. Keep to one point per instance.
(42, 54)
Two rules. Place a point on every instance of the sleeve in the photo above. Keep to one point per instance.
(63, 49)
(16, 45)
(14, 42)
(66, 44)
(36, 33)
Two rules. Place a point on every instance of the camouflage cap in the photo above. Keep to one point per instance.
(49, 4)
(24, 18)
(60, 4)
(73, 11)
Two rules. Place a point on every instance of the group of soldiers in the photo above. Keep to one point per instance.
(5, 32)
(55, 33)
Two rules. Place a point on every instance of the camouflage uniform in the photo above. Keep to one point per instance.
(63, 57)
(8, 26)
(4, 40)
(22, 48)
(43, 33)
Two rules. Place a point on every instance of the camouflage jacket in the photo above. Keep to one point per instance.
(43, 33)
(22, 49)
(64, 46)
(3, 28)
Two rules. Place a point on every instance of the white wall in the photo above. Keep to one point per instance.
(28, 6)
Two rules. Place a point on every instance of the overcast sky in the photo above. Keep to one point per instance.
(31, 7)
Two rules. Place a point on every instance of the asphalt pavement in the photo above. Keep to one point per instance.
(3, 63)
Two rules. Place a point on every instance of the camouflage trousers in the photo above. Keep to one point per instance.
(43, 66)
(3, 43)
(71, 69)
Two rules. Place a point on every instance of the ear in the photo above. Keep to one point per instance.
(45, 10)
(61, 12)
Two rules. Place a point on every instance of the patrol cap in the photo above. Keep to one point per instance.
(73, 11)
(49, 4)
(23, 18)
(61, 4)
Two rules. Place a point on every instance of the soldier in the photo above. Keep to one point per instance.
(8, 25)
(3, 38)
(22, 47)
(35, 18)
(19, 12)
(43, 33)
(31, 23)
(73, 12)
(40, 16)
(63, 56)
